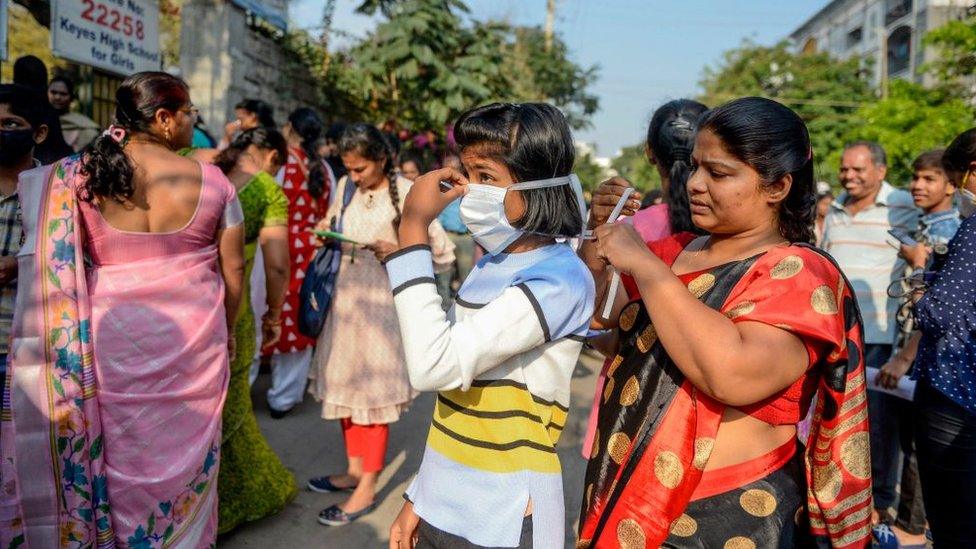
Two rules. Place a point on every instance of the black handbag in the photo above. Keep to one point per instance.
(317, 290)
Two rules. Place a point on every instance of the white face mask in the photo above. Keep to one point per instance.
(967, 203)
(483, 211)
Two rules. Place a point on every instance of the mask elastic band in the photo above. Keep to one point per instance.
(543, 183)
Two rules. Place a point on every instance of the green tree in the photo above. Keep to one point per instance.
(825, 92)
(913, 119)
(425, 65)
(534, 74)
(956, 59)
(169, 31)
(633, 166)
(389, 7)
(26, 36)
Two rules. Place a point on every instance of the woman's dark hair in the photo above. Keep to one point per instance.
(370, 143)
(106, 167)
(30, 71)
(773, 140)
(670, 138)
(651, 197)
(418, 160)
(262, 109)
(334, 133)
(68, 84)
(533, 140)
(961, 152)
(308, 126)
(22, 101)
(268, 139)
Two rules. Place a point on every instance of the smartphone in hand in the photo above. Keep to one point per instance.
(903, 238)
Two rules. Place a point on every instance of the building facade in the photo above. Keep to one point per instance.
(231, 50)
(887, 32)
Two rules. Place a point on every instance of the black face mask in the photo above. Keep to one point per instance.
(15, 145)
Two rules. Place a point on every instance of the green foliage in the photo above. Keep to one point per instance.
(825, 92)
(425, 65)
(956, 44)
(389, 7)
(633, 166)
(537, 75)
(27, 37)
(169, 31)
(911, 120)
(419, 66)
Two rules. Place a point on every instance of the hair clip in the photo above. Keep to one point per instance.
(117, 133)
(680, 123)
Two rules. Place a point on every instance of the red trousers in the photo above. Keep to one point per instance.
(367, 442)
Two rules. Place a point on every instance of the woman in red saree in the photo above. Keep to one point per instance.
(723, 344)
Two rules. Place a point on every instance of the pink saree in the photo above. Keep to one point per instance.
(111, 421)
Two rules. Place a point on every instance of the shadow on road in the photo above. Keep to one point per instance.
(310, 446)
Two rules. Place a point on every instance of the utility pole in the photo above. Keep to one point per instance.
(883, 34)
(327, 12)
(550, 22)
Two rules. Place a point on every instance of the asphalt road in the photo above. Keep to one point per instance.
(310, 446)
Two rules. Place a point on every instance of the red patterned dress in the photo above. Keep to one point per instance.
(647, 483)
(303, 212)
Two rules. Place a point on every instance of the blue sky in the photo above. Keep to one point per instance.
(649, 51)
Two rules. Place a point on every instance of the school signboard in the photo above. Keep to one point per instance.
(119, 36)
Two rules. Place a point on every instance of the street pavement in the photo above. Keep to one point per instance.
(309, 446)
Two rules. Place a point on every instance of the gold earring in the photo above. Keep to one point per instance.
(167, 134)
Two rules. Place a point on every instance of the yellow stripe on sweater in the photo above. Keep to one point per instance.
(499, 427)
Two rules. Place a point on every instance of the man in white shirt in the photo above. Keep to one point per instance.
(856, 234)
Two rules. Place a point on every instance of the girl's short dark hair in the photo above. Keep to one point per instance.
(671, 137)
(773, 140)
(534, 141)
(23, 102)
(961, 152)
(268, 139)
(106, 167)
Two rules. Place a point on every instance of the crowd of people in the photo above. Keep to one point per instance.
(784, 367)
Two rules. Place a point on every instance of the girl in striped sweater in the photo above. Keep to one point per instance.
(502, 357)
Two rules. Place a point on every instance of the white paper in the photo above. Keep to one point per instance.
(905, 389)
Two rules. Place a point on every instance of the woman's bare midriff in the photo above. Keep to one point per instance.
(742, 438)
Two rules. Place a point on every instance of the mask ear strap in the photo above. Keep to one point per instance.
(577, 187)
(542, 183)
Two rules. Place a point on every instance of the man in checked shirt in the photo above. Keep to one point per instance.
(21, 128)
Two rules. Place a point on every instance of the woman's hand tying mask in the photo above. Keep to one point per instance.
(606, 197)
(620, 245)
